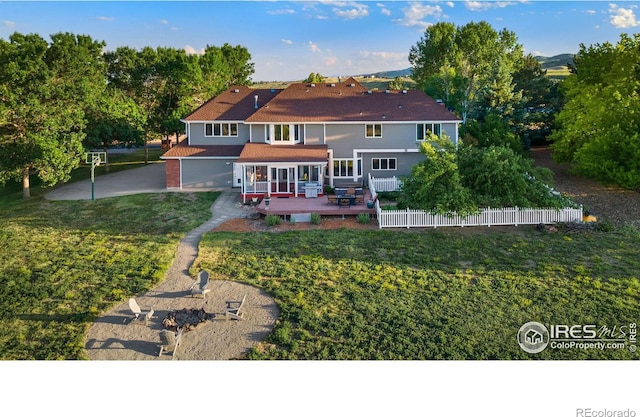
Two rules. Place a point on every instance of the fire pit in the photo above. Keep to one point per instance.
(187, 319)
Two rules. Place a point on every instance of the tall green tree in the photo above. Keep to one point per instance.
(45, 91)
(114, 120)
(599, 126)
(467, 64)
(435, 184)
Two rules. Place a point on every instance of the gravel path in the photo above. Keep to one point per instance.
(115, 337)
(607, 202)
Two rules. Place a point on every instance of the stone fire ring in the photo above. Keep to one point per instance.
(114, 337)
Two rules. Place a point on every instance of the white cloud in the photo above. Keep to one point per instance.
(450, 4)
(281, 11)
(287, 41)
(8, 23)
(331, 61)
(479, 6)
(190, 50)
(383, 9)
(416, 12)
(623, 18)
(354, 10)
(163, 21)
(591, 12)
(313, 47)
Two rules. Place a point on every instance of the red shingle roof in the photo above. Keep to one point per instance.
(347, 101)
(236, 103)
(262, 152)
(183, 150)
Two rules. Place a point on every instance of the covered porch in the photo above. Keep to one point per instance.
(281, 170)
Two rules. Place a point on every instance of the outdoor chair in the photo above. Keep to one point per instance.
(201, 285)
(169, 341)
(332, 199)
(235, 312)
(138, 314)
(351, 191)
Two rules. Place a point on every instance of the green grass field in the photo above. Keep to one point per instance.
(443, 294)
(344, 294)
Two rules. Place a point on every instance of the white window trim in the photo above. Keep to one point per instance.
(374, 130)
(424, 130)
(213, 129)
(270, 131)
(384, 169)
(354, 167)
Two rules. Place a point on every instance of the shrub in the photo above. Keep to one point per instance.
(315, 218)
(272, 220)
(329, 189)
(363, 218)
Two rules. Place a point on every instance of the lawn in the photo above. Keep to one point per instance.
(62, 263)
(432, 294)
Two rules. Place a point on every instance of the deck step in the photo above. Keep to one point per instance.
(301, 217)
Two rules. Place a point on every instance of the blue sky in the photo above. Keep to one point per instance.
(288, 40)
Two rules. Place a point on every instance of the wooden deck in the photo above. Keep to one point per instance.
(301, 205)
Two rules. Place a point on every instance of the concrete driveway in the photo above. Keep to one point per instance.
(147, 179)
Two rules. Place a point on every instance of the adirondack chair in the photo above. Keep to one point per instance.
(138, 314)
(169, 341)
(235, 312)
(201, 285)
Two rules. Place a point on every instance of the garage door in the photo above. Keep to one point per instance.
(206, 173)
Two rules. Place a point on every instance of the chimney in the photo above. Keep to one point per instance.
(256, 103)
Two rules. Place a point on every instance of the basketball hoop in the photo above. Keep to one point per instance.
(95, 159)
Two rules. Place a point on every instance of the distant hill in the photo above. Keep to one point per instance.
(391, 74)
(555, 62)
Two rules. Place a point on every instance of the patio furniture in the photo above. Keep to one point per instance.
(346, 201)
(138, 314)
(332, 199)
(169, 341)
(201, 284)
(235, 312)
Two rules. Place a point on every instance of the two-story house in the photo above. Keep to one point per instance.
(272, 141)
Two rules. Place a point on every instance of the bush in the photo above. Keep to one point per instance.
(329, 189)
(315, 218)
(363, 218)
(272, 220)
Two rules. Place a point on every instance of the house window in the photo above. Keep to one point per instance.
(424, 129)
(343, 168)
(379, 164)
(373, 130)
(220, 129)
(282, 133)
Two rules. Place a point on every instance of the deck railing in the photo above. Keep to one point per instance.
(513, 216)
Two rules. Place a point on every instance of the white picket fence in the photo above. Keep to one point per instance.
(511, 216)
(385, 184)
